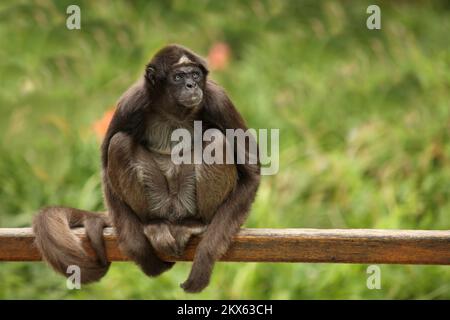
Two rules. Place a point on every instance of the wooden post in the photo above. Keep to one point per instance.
(282, 245)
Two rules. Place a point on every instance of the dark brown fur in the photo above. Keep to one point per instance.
(154, 204)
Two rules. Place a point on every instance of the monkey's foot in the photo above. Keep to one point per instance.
(182, 234)
(162, 240)
(198, 279)
(194, 285)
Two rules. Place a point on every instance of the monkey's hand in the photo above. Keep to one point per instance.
(200, 273)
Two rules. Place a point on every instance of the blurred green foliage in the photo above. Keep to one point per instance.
(363, 116)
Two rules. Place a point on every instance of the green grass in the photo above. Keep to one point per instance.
(364, 119)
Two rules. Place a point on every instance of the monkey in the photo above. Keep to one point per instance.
(155, 205)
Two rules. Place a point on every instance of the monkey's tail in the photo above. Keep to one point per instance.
(61, 248)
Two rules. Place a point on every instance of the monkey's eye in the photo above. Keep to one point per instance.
(195, 75)
(178, 77)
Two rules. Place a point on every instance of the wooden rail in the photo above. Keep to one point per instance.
(282, 245)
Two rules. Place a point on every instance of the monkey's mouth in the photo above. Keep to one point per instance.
(192, 101)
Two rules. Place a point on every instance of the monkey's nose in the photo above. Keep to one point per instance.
(191, 85)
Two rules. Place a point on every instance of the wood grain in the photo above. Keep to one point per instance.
(282, 245)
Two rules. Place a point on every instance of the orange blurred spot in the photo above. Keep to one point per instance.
(219, 56)
(101, 126)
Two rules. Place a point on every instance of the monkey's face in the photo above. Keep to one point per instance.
(185, 84)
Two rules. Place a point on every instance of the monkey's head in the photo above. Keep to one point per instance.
(179, 75)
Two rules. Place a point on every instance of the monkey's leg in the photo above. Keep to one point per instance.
(124, 196)
(171, 195)
(215, 181)
(135, 177)
(154, 197)
(226, 212)
(225, 224)
(132, 240)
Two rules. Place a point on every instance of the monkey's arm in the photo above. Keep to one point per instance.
(232, 213)
(224, 225)
(127, 127)
(128, 118)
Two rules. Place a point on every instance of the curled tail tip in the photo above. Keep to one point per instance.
(62, 249)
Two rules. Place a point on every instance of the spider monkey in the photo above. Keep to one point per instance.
(154, 204)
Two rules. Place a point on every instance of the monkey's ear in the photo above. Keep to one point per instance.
(150, 74)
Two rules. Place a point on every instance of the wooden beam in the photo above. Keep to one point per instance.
(282, 245)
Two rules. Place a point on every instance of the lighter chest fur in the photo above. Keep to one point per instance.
(179, 199)
(159, 131)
